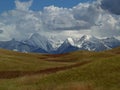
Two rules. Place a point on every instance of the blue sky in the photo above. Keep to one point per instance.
(6, 5)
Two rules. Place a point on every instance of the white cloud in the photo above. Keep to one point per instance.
(23, 5)
(85, 18)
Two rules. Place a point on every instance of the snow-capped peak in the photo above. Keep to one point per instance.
(39, 41)
(86, 37)
(55, 42)
(70, 41)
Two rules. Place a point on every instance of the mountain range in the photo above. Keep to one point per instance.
(40, 44)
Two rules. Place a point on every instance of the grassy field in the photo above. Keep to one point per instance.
(81, 70)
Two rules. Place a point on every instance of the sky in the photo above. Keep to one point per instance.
(6, 5)
(19, 19)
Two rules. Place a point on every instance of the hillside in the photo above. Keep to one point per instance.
(82, 70)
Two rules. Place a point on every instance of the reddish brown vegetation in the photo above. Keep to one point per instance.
(14, 74)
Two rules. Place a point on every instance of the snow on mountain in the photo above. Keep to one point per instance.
(67, 46)
(39, 41)
(36, 43)
(111, 42)
(40, 44)
(91, 43)
(81, 40)
(69, 41)
(16, 46)
(55, 42)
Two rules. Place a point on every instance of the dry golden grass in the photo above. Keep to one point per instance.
(75, 86)
(66, 72)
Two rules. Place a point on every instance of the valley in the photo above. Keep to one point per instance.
(81, 70)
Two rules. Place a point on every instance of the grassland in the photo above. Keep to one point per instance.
(80, 70)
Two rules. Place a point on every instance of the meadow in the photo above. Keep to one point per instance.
(80, 70)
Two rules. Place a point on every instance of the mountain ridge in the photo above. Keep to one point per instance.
(40, 44)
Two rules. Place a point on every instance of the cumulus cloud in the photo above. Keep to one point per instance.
(84, 18)
(20, 22)
(87, 13)
(79, 17)
(23, 5)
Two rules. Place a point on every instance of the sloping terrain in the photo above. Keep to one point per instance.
(80, 70)
(37, 43)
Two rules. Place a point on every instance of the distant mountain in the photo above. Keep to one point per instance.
(40, 44)
(91, 43)
(111, 42)
(36, 43)
(67, 46)
(16, 46)
(55, 42)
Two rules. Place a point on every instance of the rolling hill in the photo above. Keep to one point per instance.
(81, 70)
